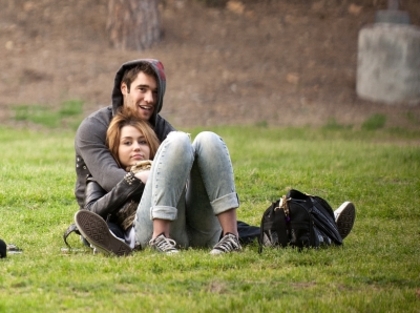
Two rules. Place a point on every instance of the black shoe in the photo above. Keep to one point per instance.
(95, 230)
(345, 216)
(3, 249)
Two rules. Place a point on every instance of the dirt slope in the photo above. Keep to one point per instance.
(280, 62)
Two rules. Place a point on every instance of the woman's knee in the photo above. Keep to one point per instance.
(208, 142)
(177, 135)
(207, 137)
(179, 143)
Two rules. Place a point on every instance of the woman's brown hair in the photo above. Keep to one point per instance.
(125, 118)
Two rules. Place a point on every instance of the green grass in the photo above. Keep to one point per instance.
(376, 121)
(377, 269)
(68, 114)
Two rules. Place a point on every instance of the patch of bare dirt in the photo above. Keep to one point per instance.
(284, 62)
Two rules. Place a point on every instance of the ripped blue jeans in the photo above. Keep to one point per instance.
(189, 184)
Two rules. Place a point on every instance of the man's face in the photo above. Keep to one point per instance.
(142, 96)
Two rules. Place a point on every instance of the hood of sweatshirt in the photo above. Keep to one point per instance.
(117, 96)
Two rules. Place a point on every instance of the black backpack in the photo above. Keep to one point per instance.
(299, 220)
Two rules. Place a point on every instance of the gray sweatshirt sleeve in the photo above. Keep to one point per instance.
(91, 146)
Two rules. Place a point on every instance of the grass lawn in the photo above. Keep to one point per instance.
(377, 269)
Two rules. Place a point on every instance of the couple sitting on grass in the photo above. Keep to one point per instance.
(142, 183)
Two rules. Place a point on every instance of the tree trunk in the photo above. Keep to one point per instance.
(133, 24)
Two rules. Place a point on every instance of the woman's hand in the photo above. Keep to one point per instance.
(143, 176)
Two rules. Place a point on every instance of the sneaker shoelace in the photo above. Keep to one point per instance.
(228, 243)
(164, 244)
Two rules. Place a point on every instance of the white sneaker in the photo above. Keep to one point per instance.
(345, 216)
(163, 244)
(229, 243)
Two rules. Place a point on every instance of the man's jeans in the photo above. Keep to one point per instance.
(189, 184)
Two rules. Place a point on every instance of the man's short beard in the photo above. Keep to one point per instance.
(130, 110)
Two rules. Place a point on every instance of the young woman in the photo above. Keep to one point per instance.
(187, 197)
(131, 142)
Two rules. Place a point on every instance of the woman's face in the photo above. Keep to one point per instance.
(133, 147)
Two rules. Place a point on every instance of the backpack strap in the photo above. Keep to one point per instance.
(72, 228)
(283, 223)
(275, 219)
(261, 236)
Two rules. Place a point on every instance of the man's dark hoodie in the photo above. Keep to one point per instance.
(93, 157)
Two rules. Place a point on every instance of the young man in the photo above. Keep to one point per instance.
(139, 88)
(143, 94)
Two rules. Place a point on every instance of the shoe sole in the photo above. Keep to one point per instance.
(220, 252)
(346, 218)
(97, 233)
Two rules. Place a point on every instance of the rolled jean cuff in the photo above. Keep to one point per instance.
(163, 213)
(225, 203)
